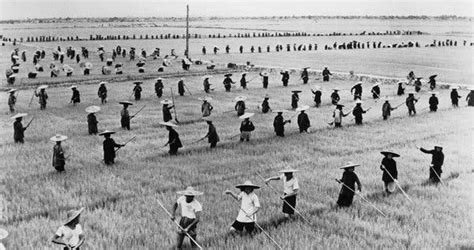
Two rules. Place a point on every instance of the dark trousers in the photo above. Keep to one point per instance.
(345, 199)
(173, 150)
(434, 175)
(213, 144)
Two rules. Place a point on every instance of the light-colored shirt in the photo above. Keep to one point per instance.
(289, 186)
(70, 236)
(337, 116)
(189, 209)
(249, 203)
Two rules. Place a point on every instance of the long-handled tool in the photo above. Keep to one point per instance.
(29, 123)
(286, 202)
(363, 198)
(187, 89)
(137, 112)
(125, 144)
(177, 224)
(436, 173)
(31, 100)
(398, 185)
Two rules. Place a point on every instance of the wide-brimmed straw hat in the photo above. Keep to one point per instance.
(433, 76)
(159, 79)
(11, 90)
(389, 153)
(189, 191)
(206, 77)
(206, 98)
(247, 184)
(265, 74)
(102, 83)
(289, 170)
(58, 137)
(358, 83)
(246, 115)
(411, 92)
(302, 108)
(110, 60)
(3, 233)
(266, 96)
(318, 87)
(43, 87)
(244, 73)
(12, 76)
(335, 89)
(107, 132)
(434, 93)
(18, 116)
(138, 82)
(168, 124)
(387, 98)
(350, 165)
(92, 109)
(72, 214)
(227, 75)
(166, 102)
(375, 84)
(280, 111)
(126, 103)
(240, 98)
(296, 91)
(73, 87)
(358, 101)
(454, 87)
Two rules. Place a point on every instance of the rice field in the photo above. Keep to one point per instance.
(121, 201)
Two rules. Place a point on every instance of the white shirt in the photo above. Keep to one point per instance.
(249, 203)
(189, 209)
(289, 186)
(70, 236)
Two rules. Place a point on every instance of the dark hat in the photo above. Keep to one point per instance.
(390, 153)
(433, 76)
(296, 91)
(228, 75)
(137, 83)
(126, 103)
(349, 165)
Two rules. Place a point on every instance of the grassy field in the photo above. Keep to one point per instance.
(121, 200)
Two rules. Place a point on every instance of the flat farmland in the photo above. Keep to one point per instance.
(121, 200)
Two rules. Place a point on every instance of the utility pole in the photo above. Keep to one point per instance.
(186, 52)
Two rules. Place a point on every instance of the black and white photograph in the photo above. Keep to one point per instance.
(236, 124)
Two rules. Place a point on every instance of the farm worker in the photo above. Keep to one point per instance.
(206, 107)
(203, 50)
(285, 77)
(42, 95)
(173, 138)
(433, 101)
(191, 211)
(181, 87)
(241, 49)
(290, 190)
(338, 114)
(58, 153)
(279, 123)
(91, 119)
(375, 91)
(137, 91)
(246, 127)
(167, 106)
(249, 207)
(159, 87)
(387, 108)
(349, 179)
(358, 111)
(411, 77)
(109, 146)
(212, 136)
(418, 84)
(470, 98)
(206, 84)
(305, 75)
(437, 161)
(335, 97)
(264, 76)
(317, 96)
(76, 96)
(125, 116)
(389, 168)
(401, 89)
(303, 120)
(326, 74)
(240, 105)
(410, 102)
(295, 98)
(102, 93)
(18, 129)
(70, 234)
(243, 81)
(227, 49)
(357, 91)
(265, 105)
(455, 97)
(12, 100)
(227, 82)
(432, 82)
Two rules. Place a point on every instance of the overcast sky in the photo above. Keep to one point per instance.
(21, 9)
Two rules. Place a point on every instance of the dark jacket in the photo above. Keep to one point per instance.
(92, 123)
(167, 113)
(400, 90)
(76, 97)
(303, 121)
(317, 96)
(173, 139)
(390, 166)
(243, 82)
(265, 106)
(357, 90)
(212, 134)
(247, 126)
(109, 146)
(437, 158)
(294, 100)
(18, 131)
(375, 92)
(240, 107)
(181, 87)
(102, 92)
(454, 96)
(386, 109)
(358, 111)
(349, 179)
(58, 157)
(335, 98)
(279, 124)
(410, 102)
(433, 101)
